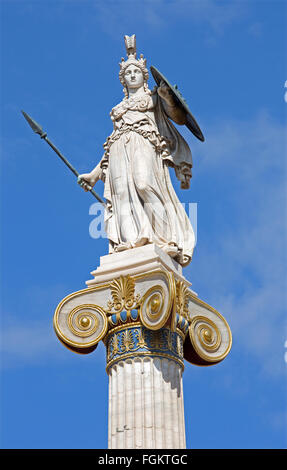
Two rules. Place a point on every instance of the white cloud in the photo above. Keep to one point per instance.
(35, 343)
(117, 17)
(25, 343)
(32, 340)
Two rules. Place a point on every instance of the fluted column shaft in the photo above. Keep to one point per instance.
(145, 392)
(146, 405)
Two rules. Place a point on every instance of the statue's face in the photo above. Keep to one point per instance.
(133, 77)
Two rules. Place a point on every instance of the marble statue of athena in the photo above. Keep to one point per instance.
(142, 206)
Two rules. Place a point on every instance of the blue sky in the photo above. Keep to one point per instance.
(59, 62)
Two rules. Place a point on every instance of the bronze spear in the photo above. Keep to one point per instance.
(38, 129)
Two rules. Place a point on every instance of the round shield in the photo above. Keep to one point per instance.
(190, 120)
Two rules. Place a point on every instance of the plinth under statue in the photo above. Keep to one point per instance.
(138, 301)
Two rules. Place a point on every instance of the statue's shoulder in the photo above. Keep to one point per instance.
(118, 110)
(143, 102)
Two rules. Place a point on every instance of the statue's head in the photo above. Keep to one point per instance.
(133, 76)
(133, 71)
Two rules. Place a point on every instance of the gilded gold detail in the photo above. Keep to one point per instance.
(115, 344)
(181, 299)
(208, 357)
(155, 303)
(206, 338)
(122, 327)
(157, 308)
(123, 294)
(141, 338)
(181, 334)
(152, 302)
(140, 341)
(151, 309)
(84, 322)
(75, 318)
(207, 335)
(145, 354)
(128, 341)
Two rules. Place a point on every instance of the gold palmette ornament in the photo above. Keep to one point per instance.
(123, 294)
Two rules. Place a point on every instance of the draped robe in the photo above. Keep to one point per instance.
(142, 206)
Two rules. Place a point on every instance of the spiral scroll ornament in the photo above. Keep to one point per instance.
(207, 339)
(82, 327)
(154, 310)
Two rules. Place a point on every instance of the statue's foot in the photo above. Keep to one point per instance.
(141, 242)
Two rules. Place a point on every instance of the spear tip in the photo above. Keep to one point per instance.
(33, 124)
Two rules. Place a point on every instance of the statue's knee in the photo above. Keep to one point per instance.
(120, 189)
(142, 185)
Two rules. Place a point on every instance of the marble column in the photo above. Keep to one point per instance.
(145, 389)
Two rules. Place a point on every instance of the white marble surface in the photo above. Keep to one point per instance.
(135, 261)
(146, 405)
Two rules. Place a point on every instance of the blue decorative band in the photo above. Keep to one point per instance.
(136, 340)
(182, 323)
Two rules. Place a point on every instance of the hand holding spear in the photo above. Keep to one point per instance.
(38, 130)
